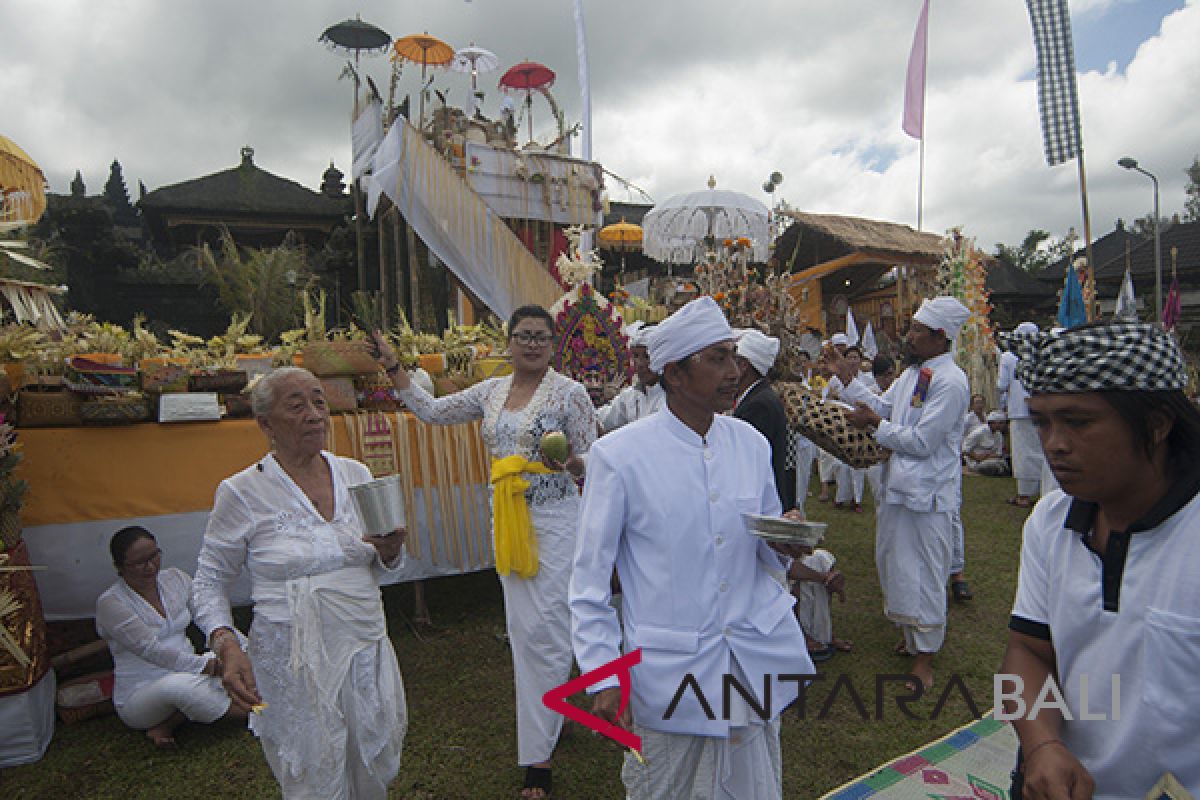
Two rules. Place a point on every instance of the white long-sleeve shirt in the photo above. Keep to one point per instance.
(924, 472)
(263, 521)
(633, 403)
(1012, 391)
(145, 645)
(984, 438)
(664, 505)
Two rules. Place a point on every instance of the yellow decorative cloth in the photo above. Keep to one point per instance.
(515, 542)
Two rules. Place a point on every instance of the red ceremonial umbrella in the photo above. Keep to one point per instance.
(527, 76)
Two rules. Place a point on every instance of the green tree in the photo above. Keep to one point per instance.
(1036, 251)
(1191, 208)
(265, 283)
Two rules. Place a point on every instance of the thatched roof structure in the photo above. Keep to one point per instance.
(824, 237)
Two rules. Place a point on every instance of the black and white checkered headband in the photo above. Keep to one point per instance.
(1114, 356)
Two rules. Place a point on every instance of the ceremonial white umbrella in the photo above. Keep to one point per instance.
(675, 229)
(475, 60)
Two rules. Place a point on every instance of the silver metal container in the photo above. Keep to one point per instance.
(380, 504)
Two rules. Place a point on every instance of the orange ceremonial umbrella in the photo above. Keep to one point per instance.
(620, 236)
(22, 185)
(423, 49)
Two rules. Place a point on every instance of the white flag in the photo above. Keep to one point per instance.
(870, 349)
(1126, 300)
(851, 327)
(365, 137)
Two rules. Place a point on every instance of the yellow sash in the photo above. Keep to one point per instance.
(515, 542)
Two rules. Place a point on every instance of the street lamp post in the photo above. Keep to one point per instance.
(1131, 163)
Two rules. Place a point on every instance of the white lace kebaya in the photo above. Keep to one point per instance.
(535, 608)
(322, 660)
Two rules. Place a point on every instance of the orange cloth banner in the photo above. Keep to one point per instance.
(129, 471)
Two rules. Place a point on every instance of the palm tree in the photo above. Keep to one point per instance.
(265, 283)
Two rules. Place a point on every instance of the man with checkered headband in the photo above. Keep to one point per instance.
(1105, 628)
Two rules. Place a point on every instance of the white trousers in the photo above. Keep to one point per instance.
(806, 451)
(850, 483)
(539, 633)
(875, 481)
(1027, 456)
(825, 466)
(200, 698)
(958, 556)
(746, 766)
(812, 599)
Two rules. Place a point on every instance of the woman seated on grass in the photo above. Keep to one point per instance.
(159, 679)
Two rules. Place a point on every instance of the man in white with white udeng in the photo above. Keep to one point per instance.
(919, 418)
(663, 502)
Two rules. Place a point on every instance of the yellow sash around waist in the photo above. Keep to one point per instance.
(515, 542)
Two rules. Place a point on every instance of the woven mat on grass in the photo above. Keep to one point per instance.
(971, 763)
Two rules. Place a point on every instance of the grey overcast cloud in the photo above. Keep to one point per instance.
(680, 90)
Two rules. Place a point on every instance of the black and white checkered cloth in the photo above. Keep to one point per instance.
(1058, 97)
(1113, 356)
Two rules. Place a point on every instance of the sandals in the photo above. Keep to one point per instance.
(823, 654)
(961, 591)
(1020, 503)
(537, 778)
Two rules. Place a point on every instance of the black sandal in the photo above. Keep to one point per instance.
(538, 778)
(961, 591)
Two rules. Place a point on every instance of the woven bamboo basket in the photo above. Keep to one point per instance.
(237, 406)
(825, 424)
(340, 394)
(115, 411)
(228, 381)
(48, 409)
(331, 359)
(101, 685)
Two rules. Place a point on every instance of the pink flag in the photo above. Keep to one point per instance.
(914, 83)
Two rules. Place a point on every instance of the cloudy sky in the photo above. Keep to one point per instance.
(680, 90)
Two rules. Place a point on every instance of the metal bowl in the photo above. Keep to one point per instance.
(788, 531)
(380, 504)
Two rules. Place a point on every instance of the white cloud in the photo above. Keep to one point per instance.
(680, 90)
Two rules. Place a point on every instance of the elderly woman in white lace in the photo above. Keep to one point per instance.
(159, 679)
(332, 717)
(517, 410)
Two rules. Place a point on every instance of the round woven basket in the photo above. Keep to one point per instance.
(825, 424)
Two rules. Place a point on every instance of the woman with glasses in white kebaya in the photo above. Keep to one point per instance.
(159, 679)
(533, 554)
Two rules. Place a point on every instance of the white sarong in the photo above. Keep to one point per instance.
(1027, 456)
(746, 766)
(336, 717)
(913, 551)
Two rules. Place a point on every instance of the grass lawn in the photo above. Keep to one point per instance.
(461, 741)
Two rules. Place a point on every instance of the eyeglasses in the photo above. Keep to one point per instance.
(141, 562)
(536, 339)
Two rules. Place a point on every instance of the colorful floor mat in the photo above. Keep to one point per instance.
(971, 763)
